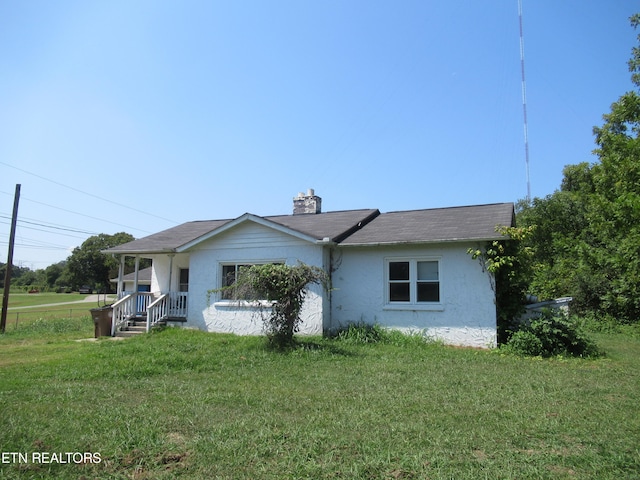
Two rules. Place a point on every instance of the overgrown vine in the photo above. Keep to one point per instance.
(284, 287)
(508, 263)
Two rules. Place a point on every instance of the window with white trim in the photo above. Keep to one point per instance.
(413, 281)
(230, 273)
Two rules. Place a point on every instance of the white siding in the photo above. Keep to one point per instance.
(466, 314)
(160, 272)
(248, 243)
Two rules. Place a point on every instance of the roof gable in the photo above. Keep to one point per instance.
(320, 227)
(247, 217)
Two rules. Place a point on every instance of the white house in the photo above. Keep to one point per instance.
(408, 270)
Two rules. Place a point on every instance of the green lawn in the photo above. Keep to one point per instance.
(180, 403)
(25, 308)
(35, 299)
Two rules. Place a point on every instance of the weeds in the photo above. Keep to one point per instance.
(364, 333)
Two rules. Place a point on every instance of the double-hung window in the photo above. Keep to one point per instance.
(230, 273)
(413, 281)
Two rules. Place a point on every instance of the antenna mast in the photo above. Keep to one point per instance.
(524, 103)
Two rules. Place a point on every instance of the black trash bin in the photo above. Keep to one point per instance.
(102, 318)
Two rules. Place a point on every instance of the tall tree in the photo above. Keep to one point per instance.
(53, 273)
(616, 215)
(587, 240)
(88, 266)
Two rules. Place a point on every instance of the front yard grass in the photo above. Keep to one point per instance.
(17, 300)
(180, 403)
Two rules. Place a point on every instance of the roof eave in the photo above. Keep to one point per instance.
(139, 252)
(423, 242)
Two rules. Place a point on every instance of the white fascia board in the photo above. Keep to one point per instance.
(247, 217)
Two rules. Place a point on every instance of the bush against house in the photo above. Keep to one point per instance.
(284, 288)
(552, 333)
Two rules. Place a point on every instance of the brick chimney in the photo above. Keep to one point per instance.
(309, 203)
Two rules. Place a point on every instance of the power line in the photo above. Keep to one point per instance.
(35, 246)
(82, 214)
(88, 194)
(49, 225)
(42, 230)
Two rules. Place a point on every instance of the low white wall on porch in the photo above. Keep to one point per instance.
(248, 243)
(466, 316)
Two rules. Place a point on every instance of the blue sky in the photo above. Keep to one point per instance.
(138, 115)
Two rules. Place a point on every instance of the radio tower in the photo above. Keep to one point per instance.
(524, 103)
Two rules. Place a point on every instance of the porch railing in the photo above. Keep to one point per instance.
(123, 310)
(166, 306)
(178, 304)
(157, 310)
(131, 305)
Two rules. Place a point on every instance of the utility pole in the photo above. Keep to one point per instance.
(7, 276)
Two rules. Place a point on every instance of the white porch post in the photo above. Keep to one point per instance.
(120, 286)
(135, 278)
(170, 271)
(135, 285)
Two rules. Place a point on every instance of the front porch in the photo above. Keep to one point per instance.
(141, 311)
(153, 296)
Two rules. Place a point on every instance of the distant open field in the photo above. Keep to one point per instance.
(27, 307)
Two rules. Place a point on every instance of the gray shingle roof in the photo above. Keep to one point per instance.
(332, 225)
(475, 222)
(144, 277)
(168, 240)
(353, 227)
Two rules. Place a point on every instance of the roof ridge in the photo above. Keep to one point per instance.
(450, 208)
(210, 220)
(278, 215)
(321, 213)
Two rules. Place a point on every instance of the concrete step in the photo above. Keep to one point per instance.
(134, 328)
(127, 333)
(137, 324)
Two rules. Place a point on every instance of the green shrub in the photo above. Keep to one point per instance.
(363, 333)
(525, 342)
(602, 323)
(553, 333)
